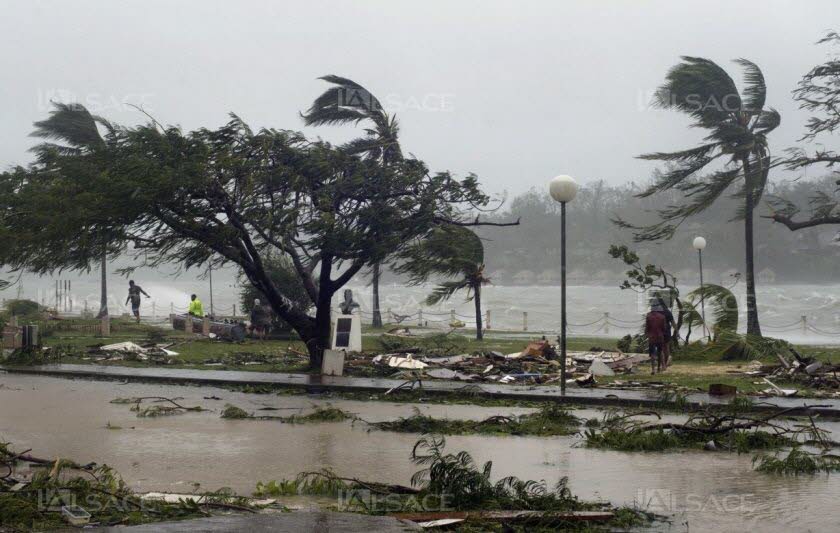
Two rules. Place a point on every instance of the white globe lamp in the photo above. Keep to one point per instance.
(699, 243)
(563, 189)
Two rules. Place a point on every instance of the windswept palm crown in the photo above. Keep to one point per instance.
(735, 152)
(75, 131)
(348, 102)
(737, 127)
(453, 253)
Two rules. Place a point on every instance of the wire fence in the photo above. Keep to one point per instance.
(500, 320)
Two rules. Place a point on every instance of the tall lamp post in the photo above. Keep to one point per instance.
(699, 244)
(563, 189)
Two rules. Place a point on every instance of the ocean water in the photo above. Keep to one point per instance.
(781, 307)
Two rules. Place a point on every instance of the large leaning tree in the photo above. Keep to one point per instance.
(818, 92)
(36, 234)
(347, 102)
(733, 158)
(232, 195)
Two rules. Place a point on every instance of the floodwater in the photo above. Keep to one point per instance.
(699, 490)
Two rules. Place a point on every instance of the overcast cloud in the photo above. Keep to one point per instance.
(516, 92)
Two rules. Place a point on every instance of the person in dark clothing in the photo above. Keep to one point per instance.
(669, 333)
(655, 331)
(134, 292)
(260, 320)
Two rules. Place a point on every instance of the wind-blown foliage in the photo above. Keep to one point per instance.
(819, 92)
(42, 234)
(734, 156)
(232, 195)
(348, 102)
(722, 303)
(453, 253)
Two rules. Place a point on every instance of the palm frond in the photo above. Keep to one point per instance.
(755, 89)
(445, 290)
(702, 89)
(72, 124)
(723, 304)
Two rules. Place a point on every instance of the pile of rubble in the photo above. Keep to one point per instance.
(802, 371)
(156, 353)
(538, 363)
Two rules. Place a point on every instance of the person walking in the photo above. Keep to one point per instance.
(655, 332)
(134, 292)
(670, 330)
(195, 308)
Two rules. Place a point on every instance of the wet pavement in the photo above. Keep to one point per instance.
(286, 522)
(314, 383)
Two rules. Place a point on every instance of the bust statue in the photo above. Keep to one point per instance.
(348, 304)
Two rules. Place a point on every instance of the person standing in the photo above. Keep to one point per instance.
(195, 308)
(134, 292)
(655, 332)
(260, 320)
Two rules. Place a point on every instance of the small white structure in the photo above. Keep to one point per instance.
(347, 333)
(333, 363)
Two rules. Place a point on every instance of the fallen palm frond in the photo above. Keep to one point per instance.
(733, 429)
(450, 484)
(173, 407)
(797, 462)
(550, 420)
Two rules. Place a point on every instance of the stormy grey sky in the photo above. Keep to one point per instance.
(516, 92)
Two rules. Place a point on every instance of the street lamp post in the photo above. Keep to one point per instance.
(699, 244)
(563, 189)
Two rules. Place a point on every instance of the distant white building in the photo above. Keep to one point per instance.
(524, 277)
(766, 276)
(548, 276)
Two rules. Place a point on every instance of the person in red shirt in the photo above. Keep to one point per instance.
(655, 325)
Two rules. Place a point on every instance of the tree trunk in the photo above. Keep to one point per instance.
(103, 297)
(753, 327)
(479, 333)
(320, 339)
(377, 314)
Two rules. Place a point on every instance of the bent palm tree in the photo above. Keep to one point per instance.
(348, 102)
(455, 254)
(78, 132)
(735, 152)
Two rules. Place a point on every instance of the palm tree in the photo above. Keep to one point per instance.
(735, 152)
(348, 102)
(455, 254)
(77, 131)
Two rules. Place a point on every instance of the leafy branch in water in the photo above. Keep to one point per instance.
(551, 419)
(173, 407)
(99, 489)
(797, 462)
(734, 429)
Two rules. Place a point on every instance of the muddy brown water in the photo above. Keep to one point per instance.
(701, 491)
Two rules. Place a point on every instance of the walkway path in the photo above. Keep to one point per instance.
(314, 383)
(285, 522)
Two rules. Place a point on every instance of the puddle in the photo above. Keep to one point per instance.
(61, 417)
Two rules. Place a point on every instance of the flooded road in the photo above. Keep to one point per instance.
(700, 490)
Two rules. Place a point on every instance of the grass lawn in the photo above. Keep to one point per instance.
(692, 369)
